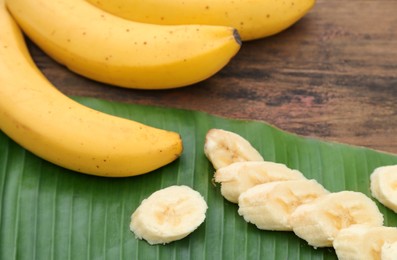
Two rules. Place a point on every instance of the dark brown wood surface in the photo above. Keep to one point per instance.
(332, 76)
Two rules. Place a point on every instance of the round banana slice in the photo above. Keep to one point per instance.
(363, 242)
(384, 186)
(224, 147)
(270, 205)
(168, 214)
(240, 176)
(318, 222)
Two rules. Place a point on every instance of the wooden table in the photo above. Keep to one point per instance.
(333, 76)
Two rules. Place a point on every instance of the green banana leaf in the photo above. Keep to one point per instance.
(48, 212)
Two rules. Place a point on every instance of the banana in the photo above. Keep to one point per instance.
(389, 251)
(168, 214)
(363, 242)
(270, 205)
(383, 186)
(318, 222)
(109, 49)
(254, 19)
(223, 147)
(238, 177)
(54, 127)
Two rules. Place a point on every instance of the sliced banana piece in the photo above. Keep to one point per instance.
(240, 176)
(168, 214)
(318, 222)
(389, 251)
(270, 205)
(384, 186)
(224, 147)
(363, 242)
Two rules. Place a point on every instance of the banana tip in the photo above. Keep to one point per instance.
(237, 36)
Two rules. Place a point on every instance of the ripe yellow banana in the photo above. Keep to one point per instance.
(49, 124)
(109, 49)
(252, 18)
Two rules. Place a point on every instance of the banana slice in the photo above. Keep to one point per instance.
(270, 205)
(240, 176)
(384, 186)
(318, 222)
(223, 148)
(168, 214)
(389, 251)
(363, 242)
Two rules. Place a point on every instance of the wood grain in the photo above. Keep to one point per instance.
(333, 76)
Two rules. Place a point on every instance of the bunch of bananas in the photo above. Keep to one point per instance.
(161, 44)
